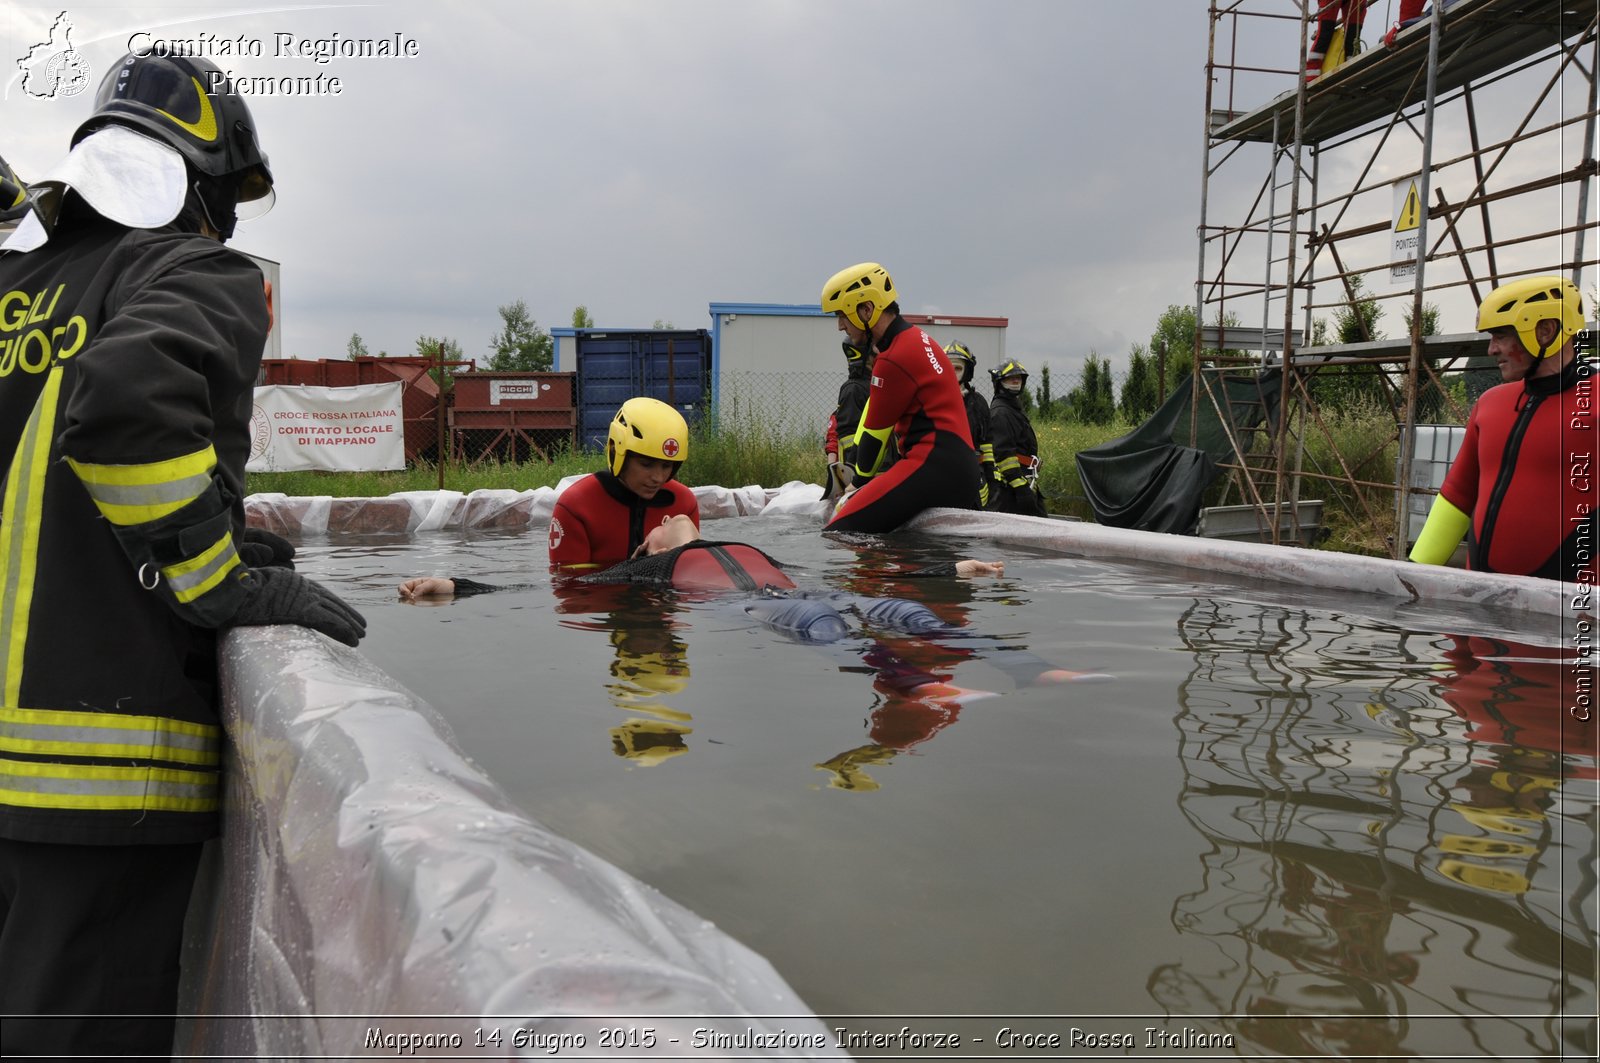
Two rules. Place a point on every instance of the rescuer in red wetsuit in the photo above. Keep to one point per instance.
(915, 397)
(1522, 486)
(605, 516)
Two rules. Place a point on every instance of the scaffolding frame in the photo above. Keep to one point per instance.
(1474, 81)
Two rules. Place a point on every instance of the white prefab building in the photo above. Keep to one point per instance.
(783, 363)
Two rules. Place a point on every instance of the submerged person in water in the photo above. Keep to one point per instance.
(674, 555)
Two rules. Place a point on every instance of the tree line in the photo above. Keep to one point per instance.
(1154, 369)
(521, 345)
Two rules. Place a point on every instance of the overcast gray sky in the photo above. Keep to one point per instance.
(1032, 159)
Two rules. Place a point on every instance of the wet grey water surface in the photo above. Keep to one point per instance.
(1319, 824)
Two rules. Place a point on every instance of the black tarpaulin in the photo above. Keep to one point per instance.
(1152, 479)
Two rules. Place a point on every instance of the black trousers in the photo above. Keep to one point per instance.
(89, 944)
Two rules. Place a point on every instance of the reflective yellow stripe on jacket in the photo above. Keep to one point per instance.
(47, 732)
(70, 738)
(1009, 471)
(19, 531)
(139, 494)
(130, 495)
(106, 787)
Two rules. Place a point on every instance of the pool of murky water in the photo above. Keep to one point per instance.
(1312, 823)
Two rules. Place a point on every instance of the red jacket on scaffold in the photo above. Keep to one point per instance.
(1526, 475)
(598, 521)
(916, 395)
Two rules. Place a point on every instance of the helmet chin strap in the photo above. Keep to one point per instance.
(1544, 351)
(204, 196)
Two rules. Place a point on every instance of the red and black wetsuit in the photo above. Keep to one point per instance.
(714, 566)
(701, 565)
(917, 393)
(1525, 473)
(597, 519)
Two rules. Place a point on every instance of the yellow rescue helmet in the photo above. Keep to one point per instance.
(861, 283)
(649, 428)
(1524, 303)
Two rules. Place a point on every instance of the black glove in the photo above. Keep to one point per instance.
(279, 596)
(263, 549)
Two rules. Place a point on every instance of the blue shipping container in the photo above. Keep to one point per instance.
(615, 365)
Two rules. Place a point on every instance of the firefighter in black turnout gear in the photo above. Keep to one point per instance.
(130, 339)
(977, 416)
(840, 447)
(1015, 488)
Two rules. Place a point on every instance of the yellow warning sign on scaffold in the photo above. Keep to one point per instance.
(1410, 215)
(1408, 208)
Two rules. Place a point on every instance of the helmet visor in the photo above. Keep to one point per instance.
(251, 209)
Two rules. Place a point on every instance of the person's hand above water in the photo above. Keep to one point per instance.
(970, 568)
(427, 587)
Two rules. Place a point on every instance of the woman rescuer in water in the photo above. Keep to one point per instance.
(605, 516)
(637, 508)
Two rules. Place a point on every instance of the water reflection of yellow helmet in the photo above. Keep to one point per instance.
(650, 661)
(649, 428)
(1504, 820)
(862, 283)
(1493, 879)
(1523, 304)
(648, 742)
(848, 771)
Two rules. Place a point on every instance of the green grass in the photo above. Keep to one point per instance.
(1360, 438)
(1059, 443)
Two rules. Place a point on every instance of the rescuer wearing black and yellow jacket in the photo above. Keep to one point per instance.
(977, 416)
(839, 445)
(1016, 448)
(130, 339)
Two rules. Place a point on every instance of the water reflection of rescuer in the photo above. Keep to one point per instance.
(674, 556)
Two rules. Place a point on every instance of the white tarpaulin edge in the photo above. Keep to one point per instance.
(1302, 568)
(370, 870)
(1547, 603)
